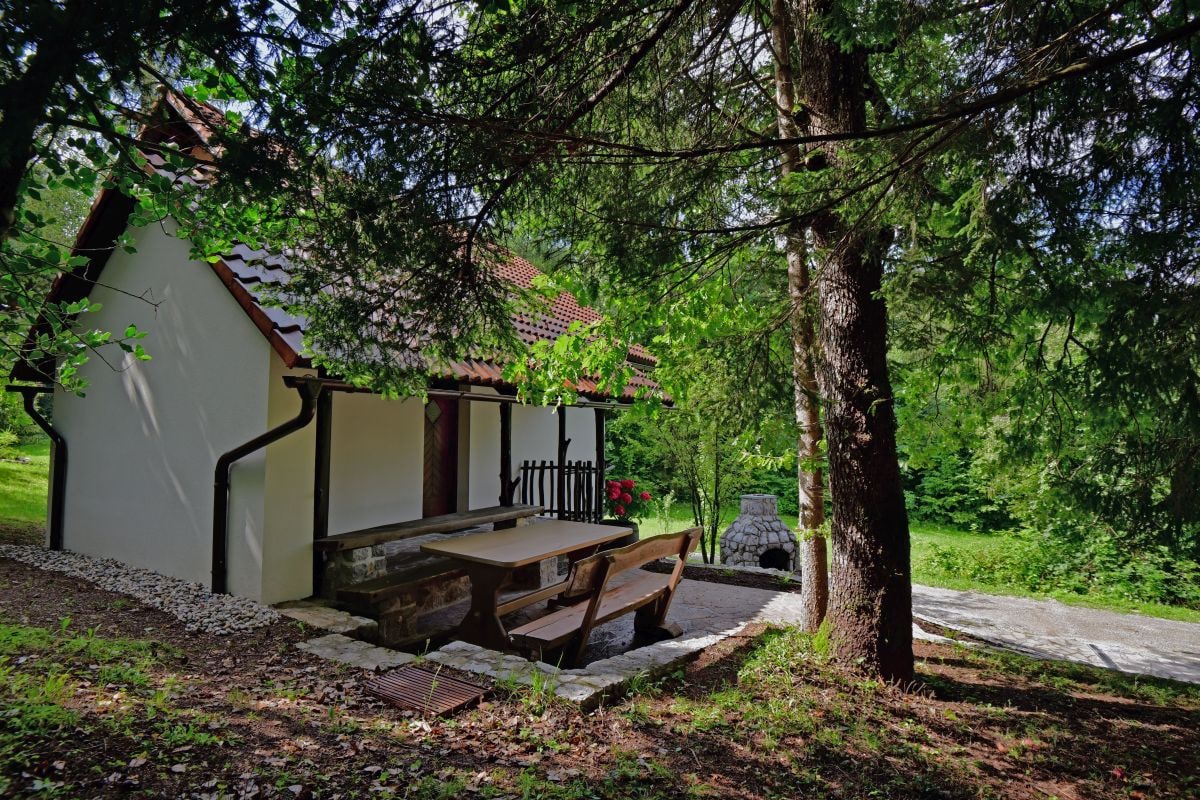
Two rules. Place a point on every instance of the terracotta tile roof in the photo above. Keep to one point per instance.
(563, 311)
(250, 274)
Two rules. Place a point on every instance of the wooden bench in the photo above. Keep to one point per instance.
(443, 523)
(589, 601)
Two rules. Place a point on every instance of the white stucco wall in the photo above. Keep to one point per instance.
(145, 439)
(483, 481)
(535, 437)
(375, 478)
(288, 503)
(377, 461)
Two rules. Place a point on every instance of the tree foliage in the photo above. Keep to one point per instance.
(1016, 178)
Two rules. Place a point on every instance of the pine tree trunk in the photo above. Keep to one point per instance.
(22, 110)
(814, 558)
(870, 608)
(814, 567)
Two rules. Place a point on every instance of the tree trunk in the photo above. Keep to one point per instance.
(814, 567)
(26, 98)
(871, 600)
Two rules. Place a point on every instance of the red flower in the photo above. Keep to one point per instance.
(644, 495)
(627, 483)
(614, 493)
(626, 497)
(619, 510)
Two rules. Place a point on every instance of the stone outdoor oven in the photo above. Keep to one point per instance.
(759, 538)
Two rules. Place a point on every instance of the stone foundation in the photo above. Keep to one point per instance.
(400, 616)
(348, 567)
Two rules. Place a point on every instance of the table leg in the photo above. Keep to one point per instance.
(482, 625)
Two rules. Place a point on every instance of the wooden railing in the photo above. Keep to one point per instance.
(570, 491)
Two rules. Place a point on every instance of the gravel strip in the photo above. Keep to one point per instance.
(192, 604)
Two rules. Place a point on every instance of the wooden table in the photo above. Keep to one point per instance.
(491, 557)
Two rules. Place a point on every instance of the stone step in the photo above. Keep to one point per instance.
(322, 617)
(336, 647)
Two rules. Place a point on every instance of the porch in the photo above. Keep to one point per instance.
(474, 446)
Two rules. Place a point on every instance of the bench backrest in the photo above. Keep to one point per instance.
(590, 575)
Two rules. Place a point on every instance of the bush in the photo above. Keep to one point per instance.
(14, 419)
(784, 484)
(8, 444)
(950, 492)
(1080, 562)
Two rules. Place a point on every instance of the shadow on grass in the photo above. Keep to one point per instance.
(768, 713)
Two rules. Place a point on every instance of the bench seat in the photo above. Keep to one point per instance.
(559, 627)
(370, 593)
(443, 523)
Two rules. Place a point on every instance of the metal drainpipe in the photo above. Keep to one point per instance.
(58, 458)
(309, 389)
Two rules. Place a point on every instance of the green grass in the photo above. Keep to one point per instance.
(926, 536)
(41, 672)
(23, 486)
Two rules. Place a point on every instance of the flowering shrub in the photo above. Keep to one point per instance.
(622, 499)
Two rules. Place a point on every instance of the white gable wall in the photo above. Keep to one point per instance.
(145, 439)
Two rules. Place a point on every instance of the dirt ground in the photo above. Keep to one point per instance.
(113, 699)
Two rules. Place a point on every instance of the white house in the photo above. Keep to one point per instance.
(145, 443)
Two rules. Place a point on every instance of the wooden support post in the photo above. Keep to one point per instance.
(560, 491)
(600, 466)
(321, 483)
(506, 481)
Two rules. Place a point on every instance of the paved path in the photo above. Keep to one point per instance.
(1040, 628)
(1050, 629)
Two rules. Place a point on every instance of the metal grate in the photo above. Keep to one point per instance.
(417, 689)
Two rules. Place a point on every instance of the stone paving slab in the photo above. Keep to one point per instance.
(356, 653)
(709, 612)
(329, 619)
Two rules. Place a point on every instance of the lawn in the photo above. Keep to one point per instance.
(100, 697)
(23, 486)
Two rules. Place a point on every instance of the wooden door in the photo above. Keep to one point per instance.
(440, 484)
